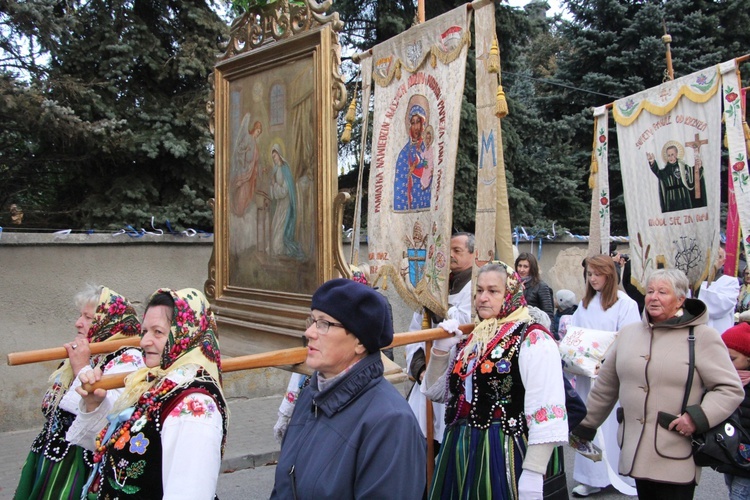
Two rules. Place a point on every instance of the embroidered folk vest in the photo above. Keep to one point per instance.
(133, 468)
(497, 390)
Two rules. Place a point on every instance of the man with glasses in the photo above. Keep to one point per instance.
(352, 435)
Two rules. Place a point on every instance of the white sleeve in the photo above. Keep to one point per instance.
(290, 397)
(71, 399)
(87, 425)
(720, 296)
(628, 312)
(191, 448)
(433, 384)
(410, 349)
(544, 398)
(460, 305)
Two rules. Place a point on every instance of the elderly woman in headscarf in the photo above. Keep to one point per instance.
(167, 430)
(505, 403)
(351, 435)
(55, 468)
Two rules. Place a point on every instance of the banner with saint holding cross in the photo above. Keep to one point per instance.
(669, 139)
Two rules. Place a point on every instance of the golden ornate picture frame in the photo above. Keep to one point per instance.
(276, 231)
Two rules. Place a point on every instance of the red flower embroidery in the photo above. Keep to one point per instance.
(559, 412)
(602, 138)
(487, 366)
(541, 415)
(196, 407)
(738, 166)
(731, 97)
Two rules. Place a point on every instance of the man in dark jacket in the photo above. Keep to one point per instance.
(352, 435)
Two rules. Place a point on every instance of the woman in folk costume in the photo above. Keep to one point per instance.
(603, 307)
(166, 432)
(504, 398)
(55, 468)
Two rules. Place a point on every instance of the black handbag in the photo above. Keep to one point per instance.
(556, 487)
(718, 446)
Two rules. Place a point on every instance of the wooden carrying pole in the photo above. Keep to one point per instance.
(293, 356)
(429, 425)
(53, 353)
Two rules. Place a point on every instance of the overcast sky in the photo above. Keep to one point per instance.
(555, 5)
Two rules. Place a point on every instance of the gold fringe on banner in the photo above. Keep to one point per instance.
(493, 61)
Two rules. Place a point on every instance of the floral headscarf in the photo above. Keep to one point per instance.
(513, 310)
(358, 275)
(193, 326)
(514, 299)
(114, 319)
(192, 341)
(114, 316)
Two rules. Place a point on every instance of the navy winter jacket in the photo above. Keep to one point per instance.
(355, 439)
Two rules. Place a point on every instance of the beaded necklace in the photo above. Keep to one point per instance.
(500, 335)
(147, 406)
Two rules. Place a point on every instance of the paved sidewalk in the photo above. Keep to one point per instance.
(250, 441)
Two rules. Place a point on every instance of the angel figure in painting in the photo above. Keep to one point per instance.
(242, 183)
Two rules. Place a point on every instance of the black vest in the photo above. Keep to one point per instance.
(135, 470)
(497, 390)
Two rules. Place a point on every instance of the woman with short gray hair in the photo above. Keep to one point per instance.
(647, 370)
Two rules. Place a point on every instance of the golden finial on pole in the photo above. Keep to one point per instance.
(667, 39)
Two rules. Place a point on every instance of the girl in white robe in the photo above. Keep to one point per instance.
(602, 308)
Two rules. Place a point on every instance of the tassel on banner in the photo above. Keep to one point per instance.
(351, 115)
(493, 61)
(346, 135)
(501, 105)
(594, 170)
(493, 66)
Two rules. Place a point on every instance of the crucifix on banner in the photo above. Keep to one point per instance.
(696, 145)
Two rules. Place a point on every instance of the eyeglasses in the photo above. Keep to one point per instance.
(321, 325)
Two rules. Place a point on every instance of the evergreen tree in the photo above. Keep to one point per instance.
(130, 80)
(613, 48)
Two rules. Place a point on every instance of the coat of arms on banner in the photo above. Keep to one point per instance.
(670, 151)
(419, 78)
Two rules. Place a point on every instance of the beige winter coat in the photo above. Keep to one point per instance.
(647, 370)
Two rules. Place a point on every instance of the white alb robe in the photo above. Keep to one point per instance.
(585, 471)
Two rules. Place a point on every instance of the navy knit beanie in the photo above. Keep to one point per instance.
(362, 311)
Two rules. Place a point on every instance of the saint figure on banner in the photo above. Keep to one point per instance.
(677, 189)
(412, 186)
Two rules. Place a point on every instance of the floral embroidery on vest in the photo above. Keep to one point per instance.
(497, 392)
